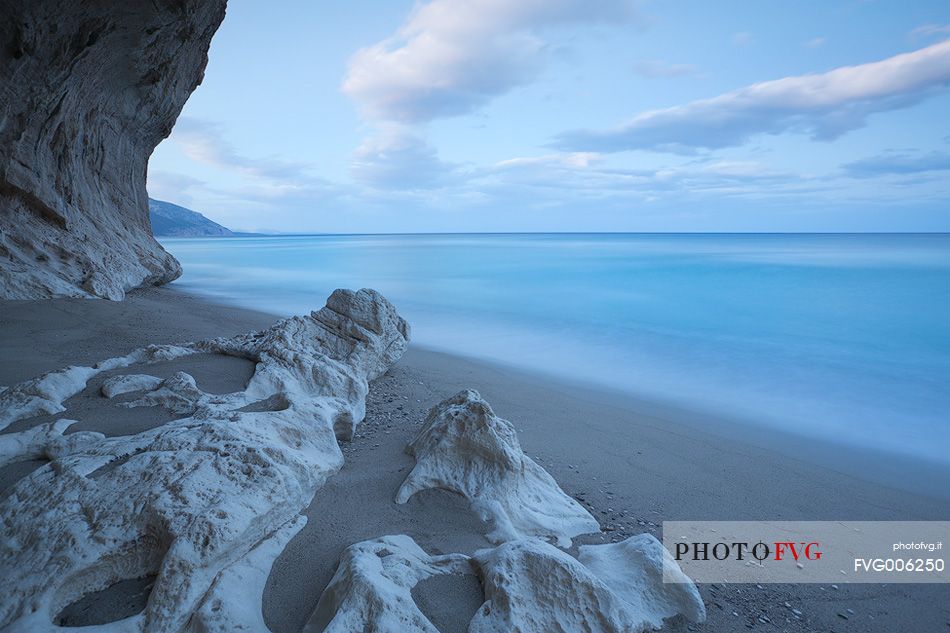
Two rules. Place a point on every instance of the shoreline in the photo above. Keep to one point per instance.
(891, 469)
(210, 317)
(632, 463)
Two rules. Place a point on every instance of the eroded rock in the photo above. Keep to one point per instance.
(464, 447)
(529, 586)
(196, 497)
(118, 385)
(44, 441)
(533, 587)
(372, 587)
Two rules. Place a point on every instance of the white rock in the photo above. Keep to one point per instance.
(190, 499)
(47, 393)
(464, 447)
(533, 587)
(634, 569)
(178, 393)
(235, 602)
(371, 589)
(118, 385)
(45, 440)
(42, 395)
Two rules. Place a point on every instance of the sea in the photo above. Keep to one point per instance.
(844, 337)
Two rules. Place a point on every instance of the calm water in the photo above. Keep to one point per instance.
(841, 336)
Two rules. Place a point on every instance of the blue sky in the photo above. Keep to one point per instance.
(569, 115)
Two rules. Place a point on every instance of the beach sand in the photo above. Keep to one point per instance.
(632, 462)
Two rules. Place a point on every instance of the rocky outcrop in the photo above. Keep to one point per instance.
(529, 587)
(623, 590)
(465, 448)
(205, 502)
(87, 90)
(372, 587)
(44, 441)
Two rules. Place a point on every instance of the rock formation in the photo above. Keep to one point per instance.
(44, 441)
(529, 587)
(622, 591)
(205, 504)
(646, 577)
(371, 589)
(87, 90)
(202, 501)
(464, 447)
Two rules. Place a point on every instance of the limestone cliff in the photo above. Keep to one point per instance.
(87, 90)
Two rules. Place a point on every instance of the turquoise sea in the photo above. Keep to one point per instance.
(843, 337)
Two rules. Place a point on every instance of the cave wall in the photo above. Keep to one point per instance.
(87, 91)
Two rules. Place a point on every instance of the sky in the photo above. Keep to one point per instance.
(390, 116)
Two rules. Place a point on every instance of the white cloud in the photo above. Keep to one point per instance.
(452, 56)
(654, 68)
(815, 42)
(265, 183)
(204, 141)
(908, 163)
(824, 106)
(398, 159)
(575, 160)
(740, 169)
(929, 30)
(171, 186)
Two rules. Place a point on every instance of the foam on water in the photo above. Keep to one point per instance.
(845, 337)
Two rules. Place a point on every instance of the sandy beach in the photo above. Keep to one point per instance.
(634, 464)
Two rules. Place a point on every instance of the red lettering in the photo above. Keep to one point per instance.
(780, 547)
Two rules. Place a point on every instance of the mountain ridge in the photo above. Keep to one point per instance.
(173, 220)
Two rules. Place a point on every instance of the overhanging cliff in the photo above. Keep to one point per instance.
(87, 90)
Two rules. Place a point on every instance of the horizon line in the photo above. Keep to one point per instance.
(239, 234)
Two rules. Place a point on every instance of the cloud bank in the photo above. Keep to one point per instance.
(204, 141)
(824, 106)
(453, 56)
(656, 69)
(898, 163)
(399, 159)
